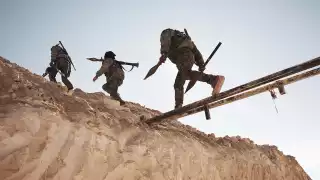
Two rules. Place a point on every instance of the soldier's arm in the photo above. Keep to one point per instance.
(165, 41)
(199, 59)
(104, 68)
(46, 72)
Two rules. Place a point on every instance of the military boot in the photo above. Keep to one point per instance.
(117, 97)
(177, 106)
(216, 83)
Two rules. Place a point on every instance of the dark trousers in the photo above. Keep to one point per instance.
(65, 70)
(184, 59)
(113, 82)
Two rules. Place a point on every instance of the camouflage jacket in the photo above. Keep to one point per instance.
(171, 39)
(108, 67)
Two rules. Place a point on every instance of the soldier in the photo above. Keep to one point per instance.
(114, 74)
(59, 63)
(182, 51)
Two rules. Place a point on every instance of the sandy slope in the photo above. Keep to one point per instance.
(46, 134)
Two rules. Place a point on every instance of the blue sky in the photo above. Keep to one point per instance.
(258, 38)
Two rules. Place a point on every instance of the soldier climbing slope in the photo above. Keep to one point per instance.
(182, 51)
(113, 70)
(61, 63)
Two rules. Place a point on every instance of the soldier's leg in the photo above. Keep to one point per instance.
(111, 87)
(187, 59)
(216, 81)
(64, 77)
(184, 63)
(178, 89)
(52, 74)
(67, 82)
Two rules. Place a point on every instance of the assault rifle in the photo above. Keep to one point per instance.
(69, 59)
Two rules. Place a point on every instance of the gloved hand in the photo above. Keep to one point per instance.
(95, 78)
(162, 59)
(202, 67)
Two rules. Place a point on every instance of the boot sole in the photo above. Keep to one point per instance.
(218, 85)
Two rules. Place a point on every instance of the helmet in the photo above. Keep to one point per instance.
(109, 54)
(168, 30)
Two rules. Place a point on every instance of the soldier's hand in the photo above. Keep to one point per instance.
(202, 68)
(95, 78)
(162, 59)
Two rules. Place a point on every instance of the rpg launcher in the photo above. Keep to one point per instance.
(119, 62)
(153, 70)
(127, 63)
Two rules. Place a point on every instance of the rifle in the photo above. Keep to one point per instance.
(193, 80)
(120, 62)
(186, 32)
(69, 59)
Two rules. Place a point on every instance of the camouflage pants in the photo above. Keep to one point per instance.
(184, 60)
(112, 85)
(64, 69)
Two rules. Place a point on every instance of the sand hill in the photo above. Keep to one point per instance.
(46, 134)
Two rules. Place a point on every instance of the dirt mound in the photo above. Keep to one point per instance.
(46, 134)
